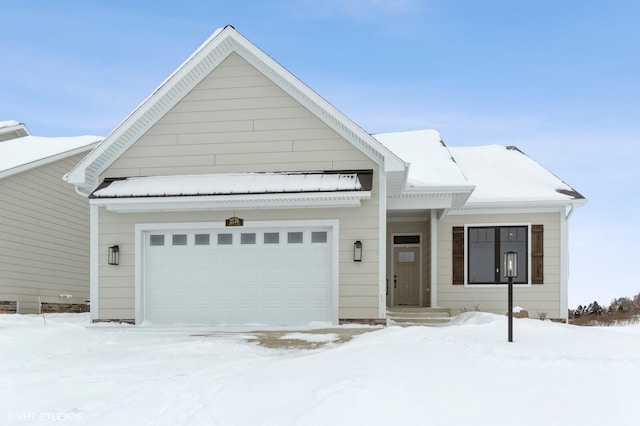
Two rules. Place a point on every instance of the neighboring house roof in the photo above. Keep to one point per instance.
(27, 152)
(205, 59)
(506, 176)
(11, 129)
(232, 184)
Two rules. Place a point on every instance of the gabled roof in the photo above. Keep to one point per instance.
(27, 152)
(478, 178)
(431, 164)
(506, 176)
(205, 59)
(432, 180)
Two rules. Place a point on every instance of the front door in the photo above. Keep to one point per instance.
(406, 269)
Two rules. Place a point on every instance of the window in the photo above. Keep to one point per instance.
(179, 239)
(319, 237)
(486, 246)
(294, 237)
(202, 239)
(156, 240)
(406, 257)
(406, 239)
(225, 239)
(247, 238)
(271, 237)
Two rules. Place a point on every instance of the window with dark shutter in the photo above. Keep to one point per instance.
(537, 254)
(458, 255)
(487, 245)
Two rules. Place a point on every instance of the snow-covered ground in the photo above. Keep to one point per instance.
(71, 372)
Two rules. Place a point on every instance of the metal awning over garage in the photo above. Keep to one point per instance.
(235, 191)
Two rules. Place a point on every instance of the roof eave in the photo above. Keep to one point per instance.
(519, 205)
(235, 202)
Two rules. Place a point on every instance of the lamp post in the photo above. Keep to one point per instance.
(510, 272)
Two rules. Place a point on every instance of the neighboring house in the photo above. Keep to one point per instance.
(44, 224)
(235, 194)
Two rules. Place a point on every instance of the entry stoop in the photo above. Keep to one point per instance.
(405, 316)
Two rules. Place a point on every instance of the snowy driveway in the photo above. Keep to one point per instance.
(71, 373)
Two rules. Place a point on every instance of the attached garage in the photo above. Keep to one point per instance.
(275, 275)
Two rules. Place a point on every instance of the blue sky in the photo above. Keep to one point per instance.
(558, 79)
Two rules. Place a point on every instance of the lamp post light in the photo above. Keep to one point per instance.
(510, 272)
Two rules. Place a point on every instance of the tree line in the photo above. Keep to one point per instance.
(620, 309)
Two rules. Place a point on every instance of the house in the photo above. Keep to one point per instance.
(44, 224)
(235, 194)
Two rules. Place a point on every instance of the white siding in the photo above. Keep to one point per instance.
(535, 299)
(237, 120)
(44, 237)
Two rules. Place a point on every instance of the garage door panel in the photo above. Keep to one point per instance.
(279, 283)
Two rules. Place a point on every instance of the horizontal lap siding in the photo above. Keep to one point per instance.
(535, 298)
(44, 234)
(237, 120)
(358, 288)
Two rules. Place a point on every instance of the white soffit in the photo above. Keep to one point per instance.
(234, 202)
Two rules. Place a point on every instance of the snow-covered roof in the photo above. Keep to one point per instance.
(11, 129)
(8, 123)
(493, 175)
(430, 162)
(231, 184)
(20, 154)
(504, 175)
(205, 59)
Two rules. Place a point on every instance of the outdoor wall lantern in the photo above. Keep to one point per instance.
(510, 272)
(357, 251)
(114, 255)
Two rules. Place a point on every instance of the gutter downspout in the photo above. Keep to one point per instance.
(564, 263)
(79, 192)
(571, 210)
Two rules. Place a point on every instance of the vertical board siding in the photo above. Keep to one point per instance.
(237, 120)
(44, 237)
(535, 298)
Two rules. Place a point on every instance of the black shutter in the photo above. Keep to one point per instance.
(537, 254)
(458, 255)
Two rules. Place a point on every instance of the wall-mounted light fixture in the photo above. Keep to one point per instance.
(357, 251)
(114, 255)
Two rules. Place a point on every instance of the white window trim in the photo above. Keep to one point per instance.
(141, 230)
(466, 253)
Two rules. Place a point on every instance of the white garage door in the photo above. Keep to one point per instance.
(238, 276)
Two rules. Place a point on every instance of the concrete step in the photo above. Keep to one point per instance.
(405, 316)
